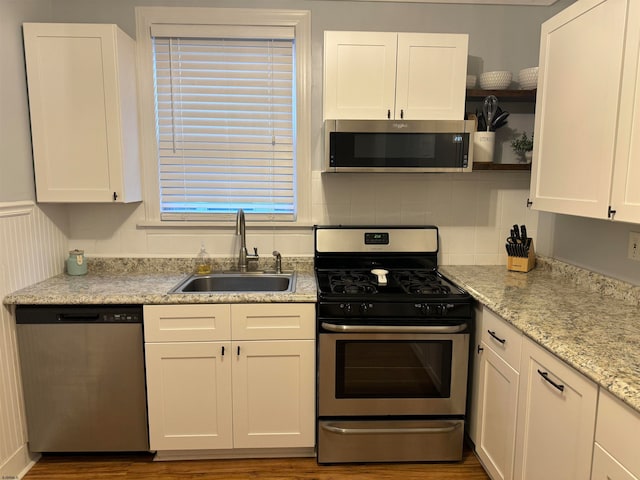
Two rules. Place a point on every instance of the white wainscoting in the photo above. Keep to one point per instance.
(32, 247)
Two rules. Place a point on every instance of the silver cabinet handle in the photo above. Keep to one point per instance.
(367, 431)
(391, 329)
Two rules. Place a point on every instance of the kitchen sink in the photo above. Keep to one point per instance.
(237, 282)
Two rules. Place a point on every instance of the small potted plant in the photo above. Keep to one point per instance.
(523, 146)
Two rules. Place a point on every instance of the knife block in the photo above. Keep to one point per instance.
(522, 264)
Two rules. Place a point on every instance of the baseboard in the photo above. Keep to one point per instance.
(18, 464)
(168, 455)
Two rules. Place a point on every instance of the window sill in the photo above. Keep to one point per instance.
(151, 224)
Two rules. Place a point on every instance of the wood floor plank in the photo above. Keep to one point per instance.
(142, 467)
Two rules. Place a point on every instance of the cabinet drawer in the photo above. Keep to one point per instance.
(503, 338)
(618, 431)
(187, 323)
(605, 467)
(273, 321)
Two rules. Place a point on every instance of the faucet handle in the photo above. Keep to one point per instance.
(278, 261)
(255, 251)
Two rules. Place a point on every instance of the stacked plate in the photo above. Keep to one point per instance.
(471, 81)
(528, 78)
(498, 80)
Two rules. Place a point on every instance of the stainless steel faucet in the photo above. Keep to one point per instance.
(243, 256)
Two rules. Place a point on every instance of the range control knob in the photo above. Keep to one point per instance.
(346, 308)
(444, 308)
(424, 308)
(365, 307)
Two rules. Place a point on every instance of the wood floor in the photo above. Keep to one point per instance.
(141, 467)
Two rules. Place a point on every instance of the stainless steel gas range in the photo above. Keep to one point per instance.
(393, 347)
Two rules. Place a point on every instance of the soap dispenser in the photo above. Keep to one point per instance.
(203, 261)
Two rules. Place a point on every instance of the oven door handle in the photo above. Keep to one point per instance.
(392, 329)
(374, 431)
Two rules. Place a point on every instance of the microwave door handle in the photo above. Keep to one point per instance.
(367, 431)
(392, 329)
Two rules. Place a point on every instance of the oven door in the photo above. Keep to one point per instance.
(392, 373)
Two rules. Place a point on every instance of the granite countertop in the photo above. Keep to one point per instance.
(589, 321)
(147, 282)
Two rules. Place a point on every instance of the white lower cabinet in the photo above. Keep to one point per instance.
(497, 395)
(605, 467)
(556, 418)
(188, 390)
(219, 386)
(273, 394)
(615, 454)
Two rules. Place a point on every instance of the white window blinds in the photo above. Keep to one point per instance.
(225, 112)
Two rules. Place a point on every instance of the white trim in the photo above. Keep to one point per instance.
(298, 19)
(219, 226)
(16, 209)
(21, 459)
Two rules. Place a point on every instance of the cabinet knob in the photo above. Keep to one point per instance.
(388, 113)
(115, 196)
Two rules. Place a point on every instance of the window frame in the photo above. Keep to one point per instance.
(300, 20)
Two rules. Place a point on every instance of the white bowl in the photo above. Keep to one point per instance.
(498, 80)
(528, 78)
(471, 81)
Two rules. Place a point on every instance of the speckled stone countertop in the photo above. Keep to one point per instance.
(590, 321)
(147, 281)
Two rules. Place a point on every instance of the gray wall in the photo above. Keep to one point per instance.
(599, 245)
(500, 38)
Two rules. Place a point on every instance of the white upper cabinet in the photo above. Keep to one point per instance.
(382, 75)
(587, 112)
(82, 98)
(625, 195)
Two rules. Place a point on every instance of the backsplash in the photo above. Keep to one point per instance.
(474, 213)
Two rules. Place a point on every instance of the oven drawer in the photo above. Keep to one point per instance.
(342, 441)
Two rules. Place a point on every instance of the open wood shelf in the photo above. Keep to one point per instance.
(503, 95)
(522, 167)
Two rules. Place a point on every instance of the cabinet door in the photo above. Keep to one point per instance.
(618, 431)
(625, 195)
(359, 75)
(577, 108)
(82, 100)
(605, 467)
(555, 422)
(189, 395)
(431, 78)
(273, 394)
(497, 407)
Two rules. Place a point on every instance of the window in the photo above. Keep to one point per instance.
(230, 124)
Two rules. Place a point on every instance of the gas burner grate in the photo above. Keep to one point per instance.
(421, 283)
(351, 283)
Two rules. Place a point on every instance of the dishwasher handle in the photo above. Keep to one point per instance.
(82, 318)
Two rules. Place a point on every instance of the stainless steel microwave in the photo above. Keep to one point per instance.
(398, 145)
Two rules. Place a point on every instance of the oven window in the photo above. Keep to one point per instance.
(393, 369)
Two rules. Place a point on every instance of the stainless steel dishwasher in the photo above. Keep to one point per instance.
(83, 377)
